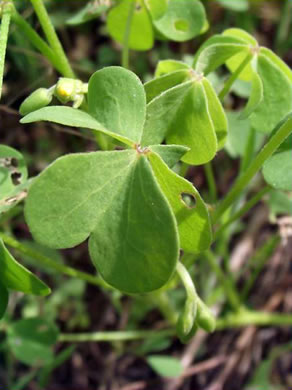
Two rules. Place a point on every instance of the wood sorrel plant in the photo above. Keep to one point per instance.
(138, 213)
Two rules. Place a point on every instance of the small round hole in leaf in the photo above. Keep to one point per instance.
(15, 177)
(181, 25)
(14, 162)
(189, 200)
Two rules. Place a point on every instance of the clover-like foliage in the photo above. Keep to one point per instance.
(184, 108)
(271, 95)
(128, 203)
(177, 20)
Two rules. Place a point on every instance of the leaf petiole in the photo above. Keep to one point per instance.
(5, 12)
(52, 37)
(125, 51)
(271, 146)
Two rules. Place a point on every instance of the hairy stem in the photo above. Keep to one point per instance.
(271, 146)
(52, 37)
(5, 12)
(125, 52)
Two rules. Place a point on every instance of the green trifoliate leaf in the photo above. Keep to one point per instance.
(277, 96)
(183, 20)
(234, 62)
(69, 116)
(87, 180)
(277, 170)
(141, 33)
(165, 366)
(114, 198)
(4, 297)
(15, 277)
(216, 51)
(170, 154)
(161, 84)
(168, 66)
(217, 113)
(31, 341)
(193, 222)
(116, 98)
(181, 115)
(269, 75)
(141, 247)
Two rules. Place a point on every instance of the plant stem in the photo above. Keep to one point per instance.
(209, 173)
(47, 262)
(36, 40)
(248, 152)
(187, 281)
(234, 76)
(271, 146)
(125, 52)
(115, 336)
(158, 299)
(5, 11)
(226, 283)
(251, 203)
(255, 318)
(52, 37)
